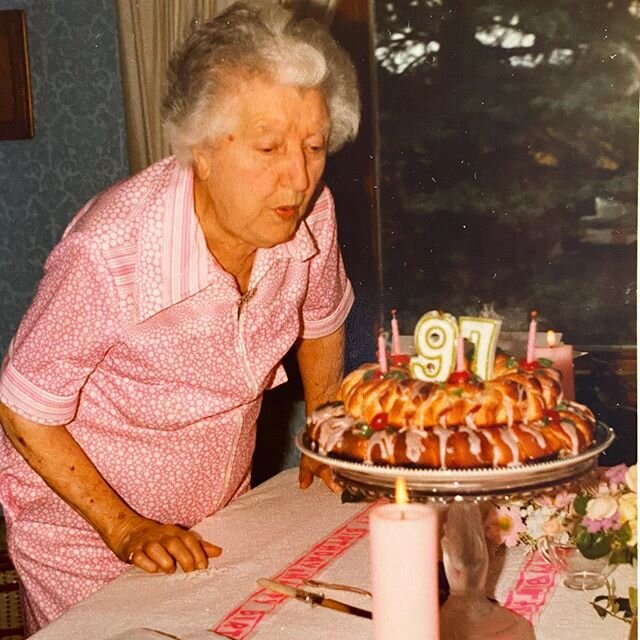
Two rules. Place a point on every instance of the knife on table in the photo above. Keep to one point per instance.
(313, 598)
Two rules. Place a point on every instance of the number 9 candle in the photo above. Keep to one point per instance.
(435, 337)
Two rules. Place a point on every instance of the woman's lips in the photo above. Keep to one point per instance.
(287, 213)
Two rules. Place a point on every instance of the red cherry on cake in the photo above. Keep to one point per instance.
(400, 359)
(528, 366)
(379, 421)
(459, 376)
(551, 414)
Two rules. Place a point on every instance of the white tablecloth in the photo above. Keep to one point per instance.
(262, 533)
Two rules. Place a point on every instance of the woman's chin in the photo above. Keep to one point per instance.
(282, 233)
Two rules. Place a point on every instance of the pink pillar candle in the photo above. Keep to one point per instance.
(561, 357)
(404, 572)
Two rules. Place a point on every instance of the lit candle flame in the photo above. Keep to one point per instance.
(551, 338)
(402, 495)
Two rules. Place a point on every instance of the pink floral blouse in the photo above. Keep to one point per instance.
(142, 345)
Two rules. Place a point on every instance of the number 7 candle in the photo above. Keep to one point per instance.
(483, 334)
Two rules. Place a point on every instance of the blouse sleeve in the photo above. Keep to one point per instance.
(74, 318)
(329, 296)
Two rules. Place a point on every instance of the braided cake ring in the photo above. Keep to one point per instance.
(517, 417)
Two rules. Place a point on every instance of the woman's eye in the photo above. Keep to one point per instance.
(267, 147)
(316, 147)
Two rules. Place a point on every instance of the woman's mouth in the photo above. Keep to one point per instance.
(287, 212)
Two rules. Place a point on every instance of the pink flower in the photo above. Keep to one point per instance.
(504, 525)
(612, 523)
(615, 475)
(560, 500)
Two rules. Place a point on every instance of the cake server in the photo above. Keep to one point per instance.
(312, 598)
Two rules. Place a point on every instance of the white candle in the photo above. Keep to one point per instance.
(561, 357)
(483, 334)
(404, 572)
(435, 340)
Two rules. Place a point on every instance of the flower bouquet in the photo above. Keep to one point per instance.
(598, 517)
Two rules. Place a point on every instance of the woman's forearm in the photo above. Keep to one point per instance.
(321, 363)
(59, 460)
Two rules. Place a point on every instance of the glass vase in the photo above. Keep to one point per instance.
(577, 571)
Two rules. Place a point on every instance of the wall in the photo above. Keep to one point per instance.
(79, 143)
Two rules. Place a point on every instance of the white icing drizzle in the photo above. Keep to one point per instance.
(332, 410)
(469, 421)
(511, 440)
(496, 450)
(442, 442)
(331, 432)
(570, 430)
(508, 407)
(385, 440)
(475, 444)
(580, 408)
(419, 415)
(414, 444)
(536, 433)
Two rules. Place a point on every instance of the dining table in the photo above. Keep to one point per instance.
(293, 536)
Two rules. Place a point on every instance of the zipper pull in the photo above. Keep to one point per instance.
(244, 298)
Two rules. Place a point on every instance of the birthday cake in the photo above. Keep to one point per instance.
(390, 417)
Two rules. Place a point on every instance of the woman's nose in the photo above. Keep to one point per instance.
(296, 174)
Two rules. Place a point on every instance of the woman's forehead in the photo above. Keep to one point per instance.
(262, 106)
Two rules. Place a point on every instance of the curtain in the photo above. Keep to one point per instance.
(149, 30)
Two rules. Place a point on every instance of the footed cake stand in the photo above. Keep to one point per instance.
(467, 614)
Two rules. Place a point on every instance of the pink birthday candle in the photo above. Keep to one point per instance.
(460, 363)
(531, 342)
(382, 352)
(395, 334)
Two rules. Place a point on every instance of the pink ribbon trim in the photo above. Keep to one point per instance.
(243, 620)
(533, 588)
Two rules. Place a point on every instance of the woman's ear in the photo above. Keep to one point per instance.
(201, 164)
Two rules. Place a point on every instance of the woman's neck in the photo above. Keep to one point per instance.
(233, 255)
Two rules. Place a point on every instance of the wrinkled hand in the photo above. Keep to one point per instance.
(310, 468)
(156, 547)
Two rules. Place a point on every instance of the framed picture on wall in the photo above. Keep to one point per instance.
(16, 115)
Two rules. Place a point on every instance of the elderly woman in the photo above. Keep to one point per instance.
(131, 390)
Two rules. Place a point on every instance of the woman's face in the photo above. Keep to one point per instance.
(255, 182)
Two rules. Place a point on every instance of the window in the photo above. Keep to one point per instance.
(508, 154)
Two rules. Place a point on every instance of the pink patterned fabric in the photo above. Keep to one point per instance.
(140, 343)
(533, 588)
(245, 618)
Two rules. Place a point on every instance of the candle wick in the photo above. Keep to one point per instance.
(402, 515)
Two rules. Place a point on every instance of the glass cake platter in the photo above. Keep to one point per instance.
(379, 480)
(467, 613)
